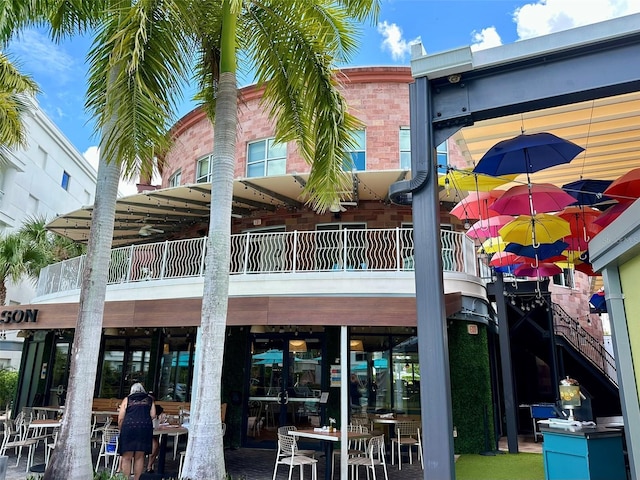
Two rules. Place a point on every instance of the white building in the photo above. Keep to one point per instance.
(46, 178)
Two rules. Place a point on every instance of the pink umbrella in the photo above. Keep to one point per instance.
(539, 270)
(501, 259)
(476, 205)
(484, 229)
(626, 188)
(539, 198)
(610, 214)
(580, 220)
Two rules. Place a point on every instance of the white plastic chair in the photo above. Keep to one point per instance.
(374, 458)
(357, 446)
(407, 434)
(15, 436)
(284, 430)
(109, 449)
(288, 446)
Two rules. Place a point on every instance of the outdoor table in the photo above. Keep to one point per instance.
(328, 439)
(164, 431)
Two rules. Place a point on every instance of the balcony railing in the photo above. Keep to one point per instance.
(363, 250)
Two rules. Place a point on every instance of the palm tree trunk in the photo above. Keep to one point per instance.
(71, 458)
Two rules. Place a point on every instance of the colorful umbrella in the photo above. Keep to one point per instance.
(626, 188)
(598, 301)
(541, 228)
(587, 269)
(587, 191)
(469, 181)
(539, 270)
(484, 229)
(536, 198)
(527, 154)
(476, 205)
(502, 259)
(580, 220)
(610, 214)
(532, 261)
(542, 251)
(492, 245)
(576, 244)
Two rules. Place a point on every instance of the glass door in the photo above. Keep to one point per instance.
(285, 383)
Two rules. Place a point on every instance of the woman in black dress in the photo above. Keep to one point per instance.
(136, 429)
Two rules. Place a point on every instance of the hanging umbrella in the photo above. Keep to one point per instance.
(510, 269)
(598, 301)
(536, 198)
(492, 245)
(476, 205)
(580, 220)
(541, 228)
(587, 269)
(626, 188)
(587, 191)
(543, 250)
(576, 244)
(610, 214)
(532, 261)
(527, 154)
(538, 271)
(502, 259)
(467, 180)
(484, 229)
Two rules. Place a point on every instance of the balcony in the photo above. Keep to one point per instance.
(363, 252)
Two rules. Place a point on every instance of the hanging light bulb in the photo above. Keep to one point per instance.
(447, 185)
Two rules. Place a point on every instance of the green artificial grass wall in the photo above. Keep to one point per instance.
(519, 466)
(470, 389)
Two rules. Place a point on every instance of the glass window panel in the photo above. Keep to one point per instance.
(203, 169)
(277, 167)
(257, 151)
(359, 160)
(256, 170)
(277, 150)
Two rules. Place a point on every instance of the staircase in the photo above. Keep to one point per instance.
(591, 349)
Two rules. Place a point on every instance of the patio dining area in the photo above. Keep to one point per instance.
(256, 463)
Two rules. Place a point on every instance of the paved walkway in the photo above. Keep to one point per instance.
(257, 464)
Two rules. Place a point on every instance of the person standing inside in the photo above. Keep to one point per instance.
(354, 393)
(135, 421)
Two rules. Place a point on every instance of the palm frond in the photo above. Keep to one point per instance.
(139, 61)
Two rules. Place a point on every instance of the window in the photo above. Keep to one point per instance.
(66, 178)
(266, 157)
(357, 152)
(405, 148)
(442, 156)
(564, 279)
(442, 152)
(174, 180)
(203, 174)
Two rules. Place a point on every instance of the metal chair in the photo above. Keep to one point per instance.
(374, 458)
(290, 456)
(357, 447)
(15, 436)
(407, 434)
(284, 430)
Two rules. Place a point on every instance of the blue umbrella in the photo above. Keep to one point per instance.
(543, 250)
(598, 302)
(527, 154)
(507, 268)
(588, 191)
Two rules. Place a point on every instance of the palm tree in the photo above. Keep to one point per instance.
(132, 94)
(15, 90)
(293, 46)
(19, 259)
(141, 54)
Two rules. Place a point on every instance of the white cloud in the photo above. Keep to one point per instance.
(39, 55)
(549, 16)
(486, 38)
(393, 41)
(126, 187)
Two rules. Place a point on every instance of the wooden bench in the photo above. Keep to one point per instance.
(106, 404)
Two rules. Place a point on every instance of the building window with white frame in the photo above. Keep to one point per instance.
(405, 148)
(564, 279)
(266, 158)
(442, 152)
(357, 152)
(175, 179)
(203, 172)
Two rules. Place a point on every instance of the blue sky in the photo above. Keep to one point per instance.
(439, 24)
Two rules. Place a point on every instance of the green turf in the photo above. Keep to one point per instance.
(520, 466)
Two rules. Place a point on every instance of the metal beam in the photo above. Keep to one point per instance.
(284, 199)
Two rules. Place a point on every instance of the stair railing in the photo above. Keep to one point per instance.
(585, 343)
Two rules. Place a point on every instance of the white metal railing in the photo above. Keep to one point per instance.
(282, 252)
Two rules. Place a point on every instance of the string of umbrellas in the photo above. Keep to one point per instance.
(534, 230)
